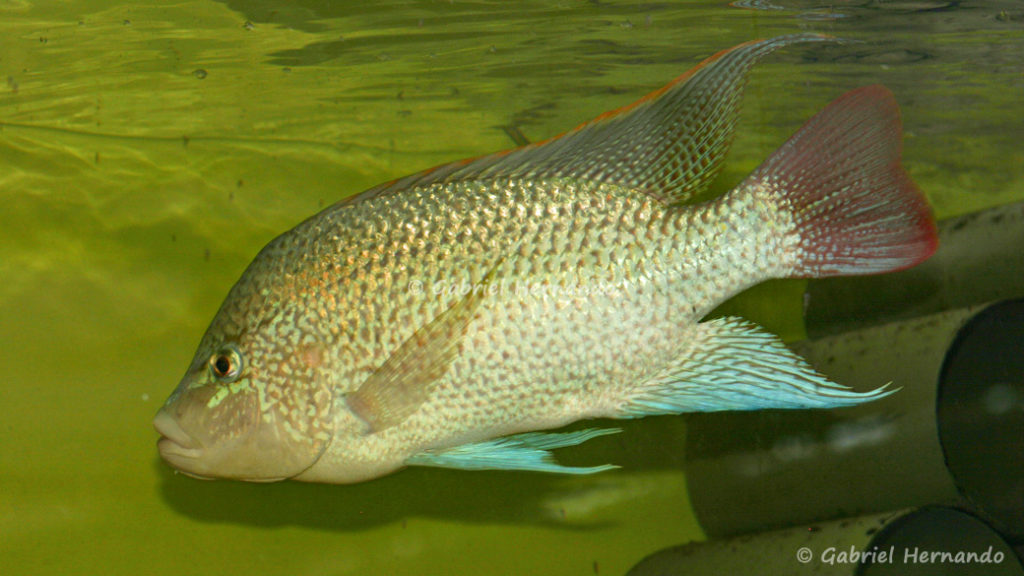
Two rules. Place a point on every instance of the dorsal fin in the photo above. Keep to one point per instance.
(670, 143)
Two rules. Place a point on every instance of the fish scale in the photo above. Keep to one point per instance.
(549, 251)
(564, 358)
(446, 318)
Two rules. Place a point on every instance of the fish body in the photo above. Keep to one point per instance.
(445, 318)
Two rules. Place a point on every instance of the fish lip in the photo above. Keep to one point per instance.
(172, 459)
(182, 458)
(169, 447)
(173, 439)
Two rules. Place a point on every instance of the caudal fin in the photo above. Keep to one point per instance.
(839, 177)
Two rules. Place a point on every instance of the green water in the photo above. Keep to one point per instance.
(148, 151)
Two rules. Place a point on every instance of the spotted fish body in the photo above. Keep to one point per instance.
(444, 318)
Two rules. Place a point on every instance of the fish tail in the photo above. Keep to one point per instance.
(853, 207)
(837, 190)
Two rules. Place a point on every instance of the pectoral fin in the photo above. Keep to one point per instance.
(521, 452)
(736, 365)
(405, 380)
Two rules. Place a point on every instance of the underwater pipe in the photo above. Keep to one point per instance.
(926, 541)
(980, 259)
(953, 433)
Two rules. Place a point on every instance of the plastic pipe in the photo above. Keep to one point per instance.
(928, 541)
(953, 433)
(980, 259)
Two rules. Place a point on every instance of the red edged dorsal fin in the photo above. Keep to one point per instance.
(670, 143)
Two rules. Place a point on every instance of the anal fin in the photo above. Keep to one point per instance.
(527, 451)
(737, 365)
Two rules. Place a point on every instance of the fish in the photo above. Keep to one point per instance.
(458, 317)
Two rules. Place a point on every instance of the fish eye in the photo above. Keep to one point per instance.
(226, 364)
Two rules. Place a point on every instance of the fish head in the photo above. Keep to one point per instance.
(252, 406)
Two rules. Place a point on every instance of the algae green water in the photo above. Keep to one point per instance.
(147, 152)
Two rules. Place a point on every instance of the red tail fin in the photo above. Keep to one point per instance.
(856, 210)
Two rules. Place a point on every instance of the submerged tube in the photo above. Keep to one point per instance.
(962, 400)
(927, 541)
(981, 413)
(980, 260)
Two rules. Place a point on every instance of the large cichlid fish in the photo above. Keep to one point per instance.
(444, 318)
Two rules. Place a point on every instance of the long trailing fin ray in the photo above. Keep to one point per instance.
(736, 365)
(404, 382)
(854, 208)
(527, 451)
(670, 143)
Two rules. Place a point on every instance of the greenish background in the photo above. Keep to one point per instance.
(148, 150)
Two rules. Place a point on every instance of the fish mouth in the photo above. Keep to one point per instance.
(176, 447)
